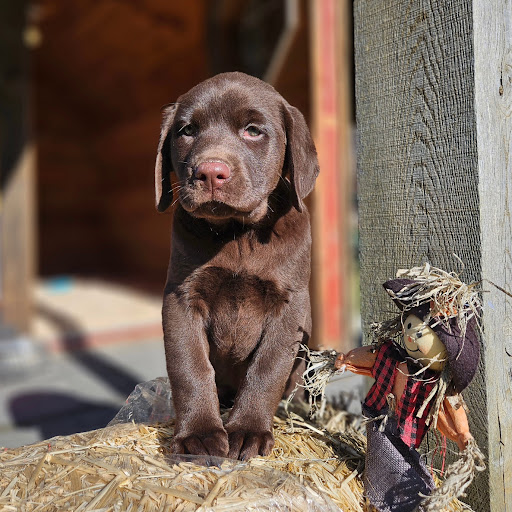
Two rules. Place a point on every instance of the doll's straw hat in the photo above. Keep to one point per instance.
(450, 316)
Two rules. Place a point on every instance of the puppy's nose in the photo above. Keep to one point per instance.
(215, 174)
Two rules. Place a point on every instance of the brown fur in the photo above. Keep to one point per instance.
(236, 302)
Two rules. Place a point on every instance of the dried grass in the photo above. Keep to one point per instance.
(448, 296)
(127, 467)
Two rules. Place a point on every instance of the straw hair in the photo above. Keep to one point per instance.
(447, 297)
(319, 370)
(446, 294)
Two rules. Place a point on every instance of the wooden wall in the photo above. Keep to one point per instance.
(17, 172)
(101, 74)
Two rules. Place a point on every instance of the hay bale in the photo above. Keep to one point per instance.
(127, 467)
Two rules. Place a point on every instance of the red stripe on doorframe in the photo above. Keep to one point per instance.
(330, 280)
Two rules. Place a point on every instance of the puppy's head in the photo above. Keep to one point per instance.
(229, 141)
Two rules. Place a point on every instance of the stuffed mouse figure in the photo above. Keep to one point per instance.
(421, 361)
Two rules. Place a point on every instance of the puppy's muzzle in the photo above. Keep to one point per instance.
(214, 174)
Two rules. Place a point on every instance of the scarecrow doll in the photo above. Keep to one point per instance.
(421, 361)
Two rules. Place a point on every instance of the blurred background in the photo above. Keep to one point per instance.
(83, 252)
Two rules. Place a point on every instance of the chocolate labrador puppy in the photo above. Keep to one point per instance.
(236, 302)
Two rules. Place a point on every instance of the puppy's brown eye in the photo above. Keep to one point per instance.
(252, 132)
(188, 130)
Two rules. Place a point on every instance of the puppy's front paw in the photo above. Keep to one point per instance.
(245, 444)
(214, 443)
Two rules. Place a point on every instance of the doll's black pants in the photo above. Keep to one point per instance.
(395, 474)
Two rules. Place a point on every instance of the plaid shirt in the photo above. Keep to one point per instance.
(411, 428)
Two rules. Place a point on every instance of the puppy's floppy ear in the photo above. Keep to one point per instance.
(163, 166)
(300, 162)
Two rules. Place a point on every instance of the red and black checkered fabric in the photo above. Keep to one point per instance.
(411, 428)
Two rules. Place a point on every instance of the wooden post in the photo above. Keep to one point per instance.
(492, 36)
(434, 114)
(331, 107)
(17, 171)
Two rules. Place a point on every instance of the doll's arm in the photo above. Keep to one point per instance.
(359, 360)
(453, 423)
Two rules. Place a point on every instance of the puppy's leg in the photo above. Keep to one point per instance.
(199, 429)
(250, 423)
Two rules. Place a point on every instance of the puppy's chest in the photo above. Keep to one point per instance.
(235, 306)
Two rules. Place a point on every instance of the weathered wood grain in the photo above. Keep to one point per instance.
(493, 108)
(435, 178)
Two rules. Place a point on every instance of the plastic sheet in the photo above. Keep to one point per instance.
(150, 403)
(222, 484)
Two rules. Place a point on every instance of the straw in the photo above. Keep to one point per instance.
(129, 467)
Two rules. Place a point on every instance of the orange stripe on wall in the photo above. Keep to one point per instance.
(328, 212)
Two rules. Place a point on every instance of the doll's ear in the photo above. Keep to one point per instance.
(463, 352)
(163, 165)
